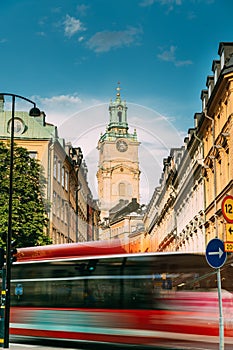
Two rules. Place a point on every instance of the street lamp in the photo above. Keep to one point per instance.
(77, 156)
(34, 112)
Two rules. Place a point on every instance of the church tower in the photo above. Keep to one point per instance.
(118, 169)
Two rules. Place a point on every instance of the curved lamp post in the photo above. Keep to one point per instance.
(77, 156)
(34, 112)
(78, 162)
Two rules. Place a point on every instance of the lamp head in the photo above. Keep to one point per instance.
(35, 112)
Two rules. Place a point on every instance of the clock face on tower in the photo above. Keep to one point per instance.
(19, 126)
(121, 146)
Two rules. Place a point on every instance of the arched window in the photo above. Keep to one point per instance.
(122, 189)
(119, 116)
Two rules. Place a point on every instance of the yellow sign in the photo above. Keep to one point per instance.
(229, 233)
(228, 246)
(227, 208)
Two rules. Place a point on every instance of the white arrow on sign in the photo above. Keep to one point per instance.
(219, 253)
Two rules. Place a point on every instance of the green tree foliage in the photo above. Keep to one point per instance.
(29, 218)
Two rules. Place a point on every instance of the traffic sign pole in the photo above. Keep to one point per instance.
(221, 320)
(216, 257)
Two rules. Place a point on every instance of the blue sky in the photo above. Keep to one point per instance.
(69, 55)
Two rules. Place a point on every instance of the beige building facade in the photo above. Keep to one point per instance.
(118, 168)
(70, 207)
(185, 211)
(216, 131)
(118, 181)
(125, 223)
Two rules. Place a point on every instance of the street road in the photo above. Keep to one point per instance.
(60, 345)
(53, 345)
(67, 346)
(44, 345)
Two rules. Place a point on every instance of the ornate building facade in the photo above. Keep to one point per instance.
(119, 181)
(175, 215)
(118, 169)
(71, 209)
(216, 130)
(185, 211)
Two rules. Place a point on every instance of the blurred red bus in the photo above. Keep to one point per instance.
(96, 292)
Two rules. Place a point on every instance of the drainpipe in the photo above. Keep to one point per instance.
(215, 179)
(202, 177)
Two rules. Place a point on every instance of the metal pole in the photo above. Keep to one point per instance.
(77, 221)
(34, 112)
(3, 305)
(9, 235)
(18, 96)
(221, 321)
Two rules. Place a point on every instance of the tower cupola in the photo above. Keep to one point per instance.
(118, 113)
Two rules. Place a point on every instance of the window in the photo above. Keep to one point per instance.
(63, 177)
(63, 209)
(58, 206)
(59, 171)
(33, 154)
(215, 75)
(209, 90)
(122, 189)
(130, 190)
(203, 104)
(145, 282)
(222, 60)
(55, 167)
(67, 208)
(66, 180)
(120, 116)
(54, 202)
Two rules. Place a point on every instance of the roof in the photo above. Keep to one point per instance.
(70, 250)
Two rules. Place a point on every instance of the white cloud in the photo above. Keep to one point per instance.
(82, 9)
(60, 107)
(183, 63)
(43, 21)
(72, 25)
(146, 3)
(169, 3)
(61, 99)
(82, 125)
(172, 3)
(41, 33)
(107, 40)
(169, 56)
(56, 10)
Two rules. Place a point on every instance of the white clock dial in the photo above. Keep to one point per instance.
(19, 126)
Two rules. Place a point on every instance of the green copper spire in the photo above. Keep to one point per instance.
(118, 126)
(118, 112)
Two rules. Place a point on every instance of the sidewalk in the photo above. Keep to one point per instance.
(14, 346)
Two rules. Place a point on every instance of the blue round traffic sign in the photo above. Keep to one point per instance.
(215, 254)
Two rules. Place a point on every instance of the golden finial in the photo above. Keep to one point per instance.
(118, 89)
